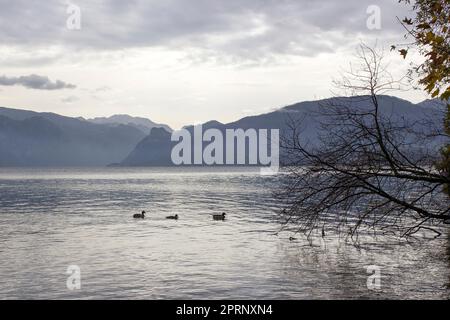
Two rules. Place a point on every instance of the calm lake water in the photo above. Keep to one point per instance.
(53, 218)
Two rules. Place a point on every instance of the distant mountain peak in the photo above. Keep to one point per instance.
(140, 123)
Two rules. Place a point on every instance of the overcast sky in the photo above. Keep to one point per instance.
(184, 61)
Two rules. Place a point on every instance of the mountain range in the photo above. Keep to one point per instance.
(144, 154)
(29, 138)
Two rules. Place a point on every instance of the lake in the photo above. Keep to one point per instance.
(51, 219)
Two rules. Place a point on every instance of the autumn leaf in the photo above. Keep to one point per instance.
(403, 52)
(407, 21)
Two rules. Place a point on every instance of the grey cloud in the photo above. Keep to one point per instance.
(35, 82)
(250, 28)
(25, 59)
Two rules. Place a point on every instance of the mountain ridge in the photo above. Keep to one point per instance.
(75, 142)
(278, 119)
(140, 123)
(29, 138)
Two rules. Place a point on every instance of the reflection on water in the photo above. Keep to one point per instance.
(53, 218)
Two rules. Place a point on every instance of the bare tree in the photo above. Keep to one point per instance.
(372, 170)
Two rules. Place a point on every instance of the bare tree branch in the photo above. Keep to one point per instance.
(371, 170)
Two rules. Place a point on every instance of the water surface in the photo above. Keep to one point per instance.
(53, 218)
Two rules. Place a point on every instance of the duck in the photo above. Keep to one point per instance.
(175, 217)
(139, 215)
(292, 239)
(219, 216)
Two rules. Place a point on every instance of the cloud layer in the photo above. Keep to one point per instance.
(196, 59)
(250, 28)
(35, 82)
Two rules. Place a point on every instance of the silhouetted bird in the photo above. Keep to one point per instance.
(139, 216)
(219, 216)
(175, 217)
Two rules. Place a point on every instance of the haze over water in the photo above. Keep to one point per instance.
(53, 218)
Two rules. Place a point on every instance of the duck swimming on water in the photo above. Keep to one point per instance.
(139, 216)
(219, 216)
(175, 217)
